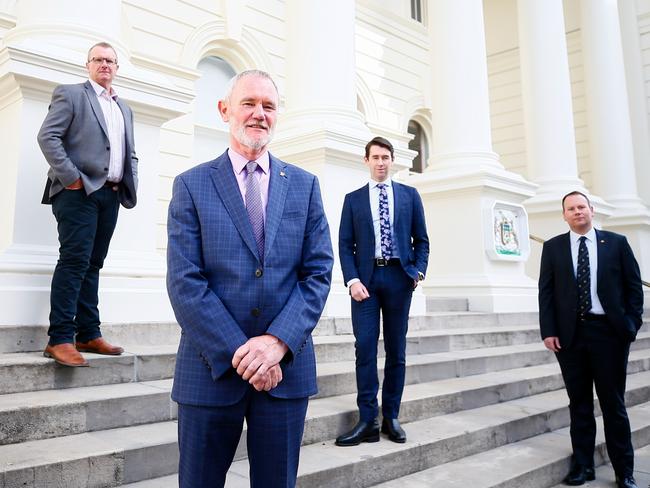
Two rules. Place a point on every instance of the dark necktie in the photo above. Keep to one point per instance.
(384, 223)
(583, 275)
(254, 207)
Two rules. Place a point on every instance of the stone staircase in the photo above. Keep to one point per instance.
(484, 406)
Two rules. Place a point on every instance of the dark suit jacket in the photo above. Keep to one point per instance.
(222, 295)
(618, 282)
(74, 141)
(357, 235)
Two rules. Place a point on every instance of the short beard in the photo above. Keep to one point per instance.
(249, 142)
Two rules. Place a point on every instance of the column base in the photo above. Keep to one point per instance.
(457, 206)
(484, 294)
(132, 287)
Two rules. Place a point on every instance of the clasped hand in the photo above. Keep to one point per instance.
(257, 361)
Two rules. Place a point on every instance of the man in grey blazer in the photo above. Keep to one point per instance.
(87, 139)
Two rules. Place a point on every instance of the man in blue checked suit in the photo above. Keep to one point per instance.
(384, 251)
(249, 270)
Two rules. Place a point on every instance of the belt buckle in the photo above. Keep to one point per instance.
(381, 262)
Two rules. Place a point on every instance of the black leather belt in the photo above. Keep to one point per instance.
(381, 262)
(111, 184)
(590, 317)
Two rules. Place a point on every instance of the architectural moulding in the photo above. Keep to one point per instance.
(213, 38)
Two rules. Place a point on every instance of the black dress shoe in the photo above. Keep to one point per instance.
(626, 482)
(362, 432)
(579, 474)
(394, 431)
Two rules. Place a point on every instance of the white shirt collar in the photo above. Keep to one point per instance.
(575, 237)
(372, 183)
(99, 89)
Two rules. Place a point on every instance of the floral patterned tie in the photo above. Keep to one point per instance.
(384, 223)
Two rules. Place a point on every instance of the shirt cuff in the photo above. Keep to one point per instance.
(353, 281)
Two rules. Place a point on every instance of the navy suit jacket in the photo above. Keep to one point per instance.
(222, 295)
(618, 286)
(357, 235)
(74, 141)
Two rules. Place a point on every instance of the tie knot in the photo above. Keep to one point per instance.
(583, 239)
(251, 166)
(381, 186)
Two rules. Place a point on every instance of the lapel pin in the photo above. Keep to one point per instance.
(283, 174)
(602, 241)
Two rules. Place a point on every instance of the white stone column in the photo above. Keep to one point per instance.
(44, 49)
(637, 96)
(465, 178)
(548, 118)
(611, 148)
(321, 129)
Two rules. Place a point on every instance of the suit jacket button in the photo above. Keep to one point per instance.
(258, 272)
(255, 312)
(108, 148)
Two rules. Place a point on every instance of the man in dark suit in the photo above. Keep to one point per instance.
(87, 139)
(384, 251)
(590, 308)
(249, 269)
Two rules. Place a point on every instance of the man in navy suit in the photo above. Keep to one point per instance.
(249, 269)
(590, 308)
(384, 251)
(87, 139)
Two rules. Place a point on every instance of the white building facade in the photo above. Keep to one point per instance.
(493, 104)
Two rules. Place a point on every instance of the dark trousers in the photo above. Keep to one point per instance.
(85, 224)
(390, 292)
(208, 438)
(598, 356)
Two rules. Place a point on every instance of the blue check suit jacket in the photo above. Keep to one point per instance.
(221, 293)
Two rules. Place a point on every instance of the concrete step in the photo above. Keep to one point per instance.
(339, 378)
(605, 477)
(31, 338)
(538, 462)
(147, 363)
(52, 413)
(92, 460)
(341, 347)
(30, 371)
(438, 440)
(508, 466)
(115, 456)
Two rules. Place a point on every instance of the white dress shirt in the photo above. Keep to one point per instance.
(592, 248)
(115, 125)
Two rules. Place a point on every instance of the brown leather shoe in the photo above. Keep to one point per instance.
(99, 346)
(65, 354)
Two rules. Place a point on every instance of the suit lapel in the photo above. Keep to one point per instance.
(226, 184)
(565, 259)
(363, 204)
(97, 109)
(603, 250)
(278, 186)
(128, 128)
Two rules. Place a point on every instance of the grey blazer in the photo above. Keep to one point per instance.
(74, 141)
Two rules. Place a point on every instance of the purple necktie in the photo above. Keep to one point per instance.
(384, 223)
(254, 207)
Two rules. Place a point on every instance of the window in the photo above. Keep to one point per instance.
(416, 10)
(420, 145)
